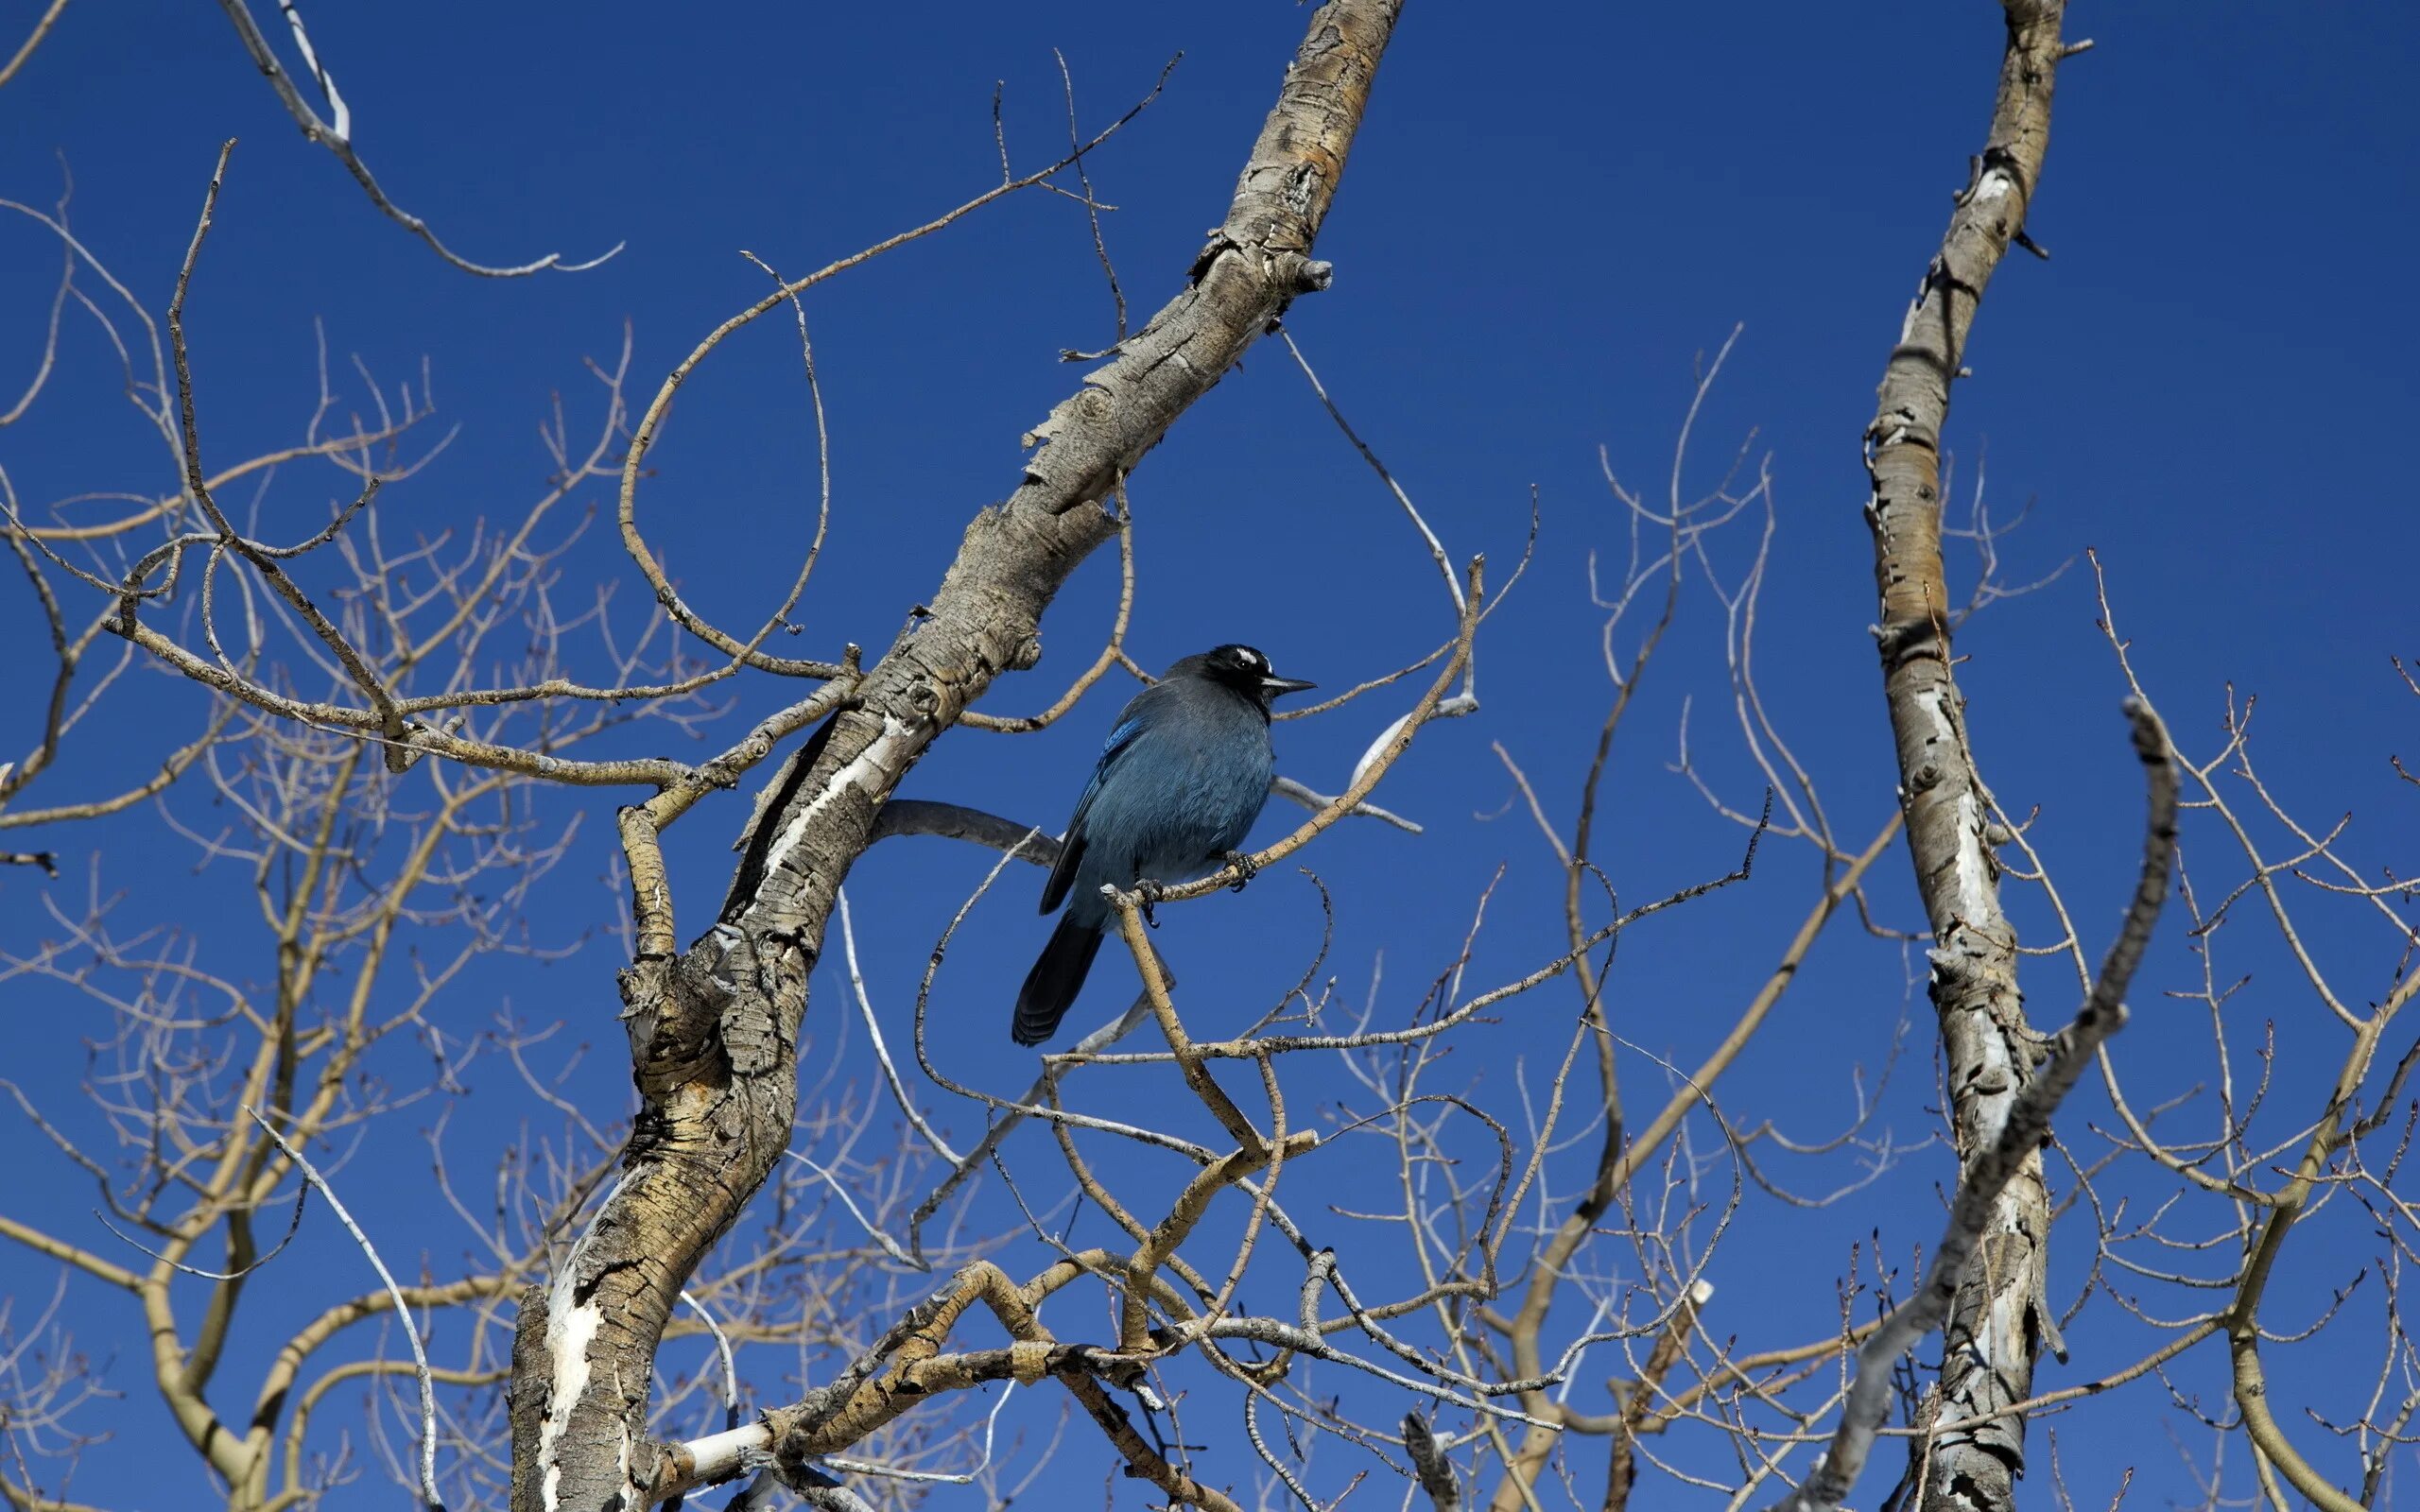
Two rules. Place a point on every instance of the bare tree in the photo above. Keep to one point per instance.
(392, 738)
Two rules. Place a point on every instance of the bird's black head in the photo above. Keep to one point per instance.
(1241, 668)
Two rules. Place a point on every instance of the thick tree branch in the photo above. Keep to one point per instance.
(714, 1031)
(1994, 1331)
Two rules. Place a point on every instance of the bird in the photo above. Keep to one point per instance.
(1182, 775)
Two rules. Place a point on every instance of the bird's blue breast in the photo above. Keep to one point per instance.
(1181, 781)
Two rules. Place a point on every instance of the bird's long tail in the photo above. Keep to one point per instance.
(1051, 987)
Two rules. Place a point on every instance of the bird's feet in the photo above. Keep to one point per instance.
(1151, 893)
(1246, 869)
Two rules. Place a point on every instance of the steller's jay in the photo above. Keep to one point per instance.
(1182, 777)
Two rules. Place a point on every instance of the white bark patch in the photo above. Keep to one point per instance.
(1976, 903)
(1377, 748)
(719, 1456)
(1974, 870)
(875, 757)
(569, 1331)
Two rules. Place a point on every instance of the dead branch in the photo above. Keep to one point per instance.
(336, 134)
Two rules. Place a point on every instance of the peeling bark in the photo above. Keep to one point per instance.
(1998, 1325)
(714, 1031)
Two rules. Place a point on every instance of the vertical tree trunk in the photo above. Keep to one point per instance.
(1998, 1325)
(714, 1031)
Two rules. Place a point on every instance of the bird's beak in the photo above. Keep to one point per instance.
(1273, 686)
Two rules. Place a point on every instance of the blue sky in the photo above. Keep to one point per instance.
(1542, 228)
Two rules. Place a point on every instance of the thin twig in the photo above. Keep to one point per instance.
(336, 138)
(395, 1293)
(730, 1367)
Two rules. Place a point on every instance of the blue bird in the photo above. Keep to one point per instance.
(1180, 781)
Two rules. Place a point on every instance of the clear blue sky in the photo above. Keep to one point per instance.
(1546, 220)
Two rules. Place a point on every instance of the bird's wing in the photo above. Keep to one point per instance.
(1071, 845)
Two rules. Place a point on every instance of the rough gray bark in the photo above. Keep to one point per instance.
(1997, 1323)
(713, 1030)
